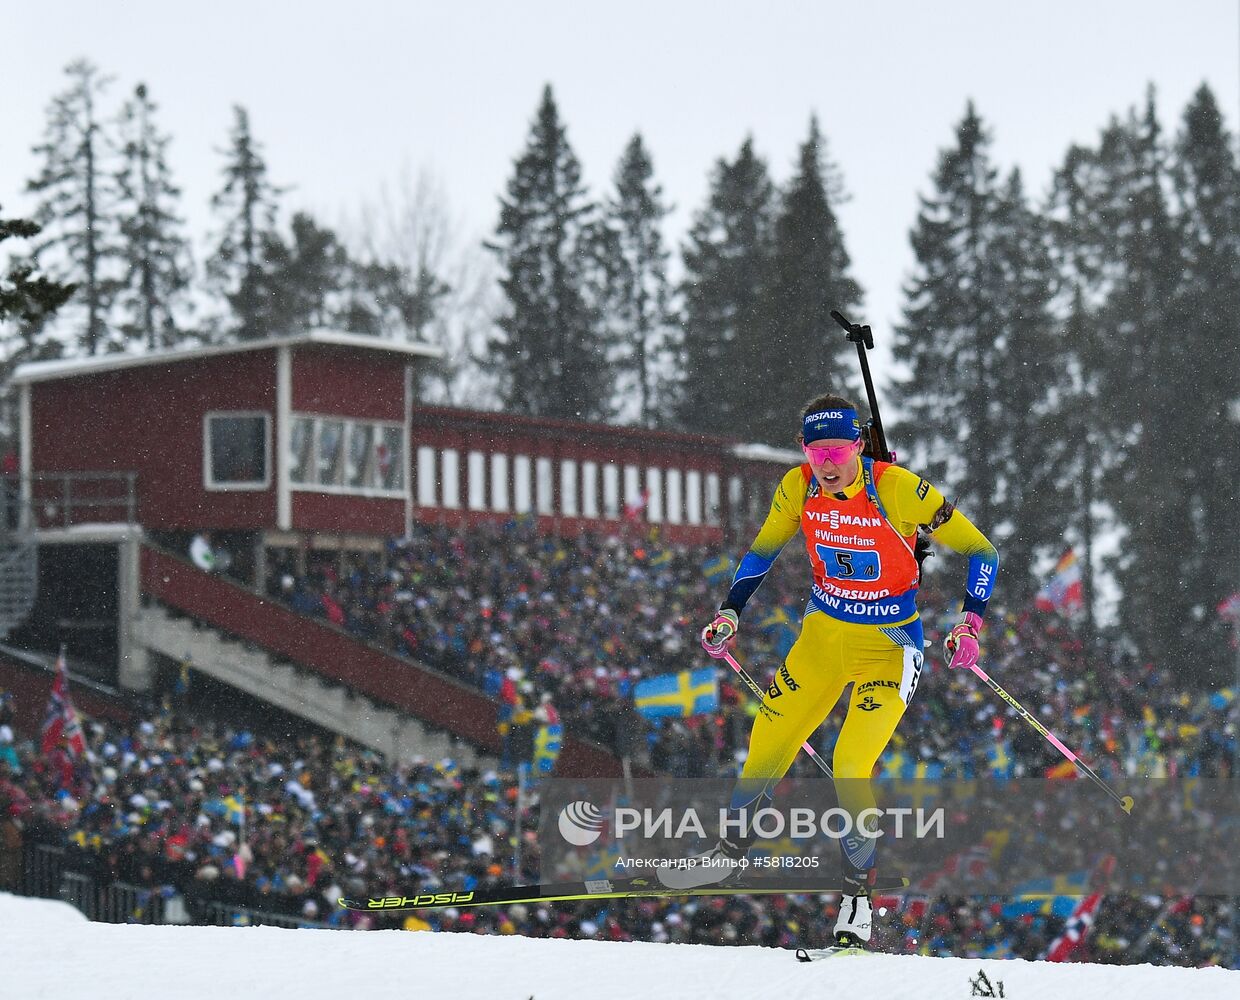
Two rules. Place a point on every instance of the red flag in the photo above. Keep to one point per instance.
(61, 724)
(1076, 929)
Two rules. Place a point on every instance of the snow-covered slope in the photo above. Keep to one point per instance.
(46, 953)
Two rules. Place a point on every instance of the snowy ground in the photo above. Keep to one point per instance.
(47, 950)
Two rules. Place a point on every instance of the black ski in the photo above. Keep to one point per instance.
(602, 888)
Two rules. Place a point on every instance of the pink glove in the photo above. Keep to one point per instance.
(721, 633)
(961, 642)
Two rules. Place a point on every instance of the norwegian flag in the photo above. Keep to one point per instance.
(62, 722)
(1076, 929)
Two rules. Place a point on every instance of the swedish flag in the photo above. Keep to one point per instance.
(660, 559)
(999, 754)
(547, 747)
(1056, 896)
(601, 864)
(717, 569)
(778, 616)
(234, 809)
(690, 692)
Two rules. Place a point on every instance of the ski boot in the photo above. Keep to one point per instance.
(852, 926)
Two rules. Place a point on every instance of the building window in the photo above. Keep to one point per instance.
(389, 467)
(237, 451)
(712, 499)
(654, 487)
(734, 495)
(499, 481)
(675, 499)
(632, 487)
(330, 452)
(351, 456)
(476, 471)
(522, 484)
(426, 476)
(568, 488)
(359, 466)
(451, 479)
(693, 496)
(611, 491)
(542, 475)
(589, 489)
(301, 450)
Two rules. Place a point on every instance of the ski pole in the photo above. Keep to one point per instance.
(1125, 801)
(752, 685)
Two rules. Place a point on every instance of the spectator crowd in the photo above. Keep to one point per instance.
(214, 811)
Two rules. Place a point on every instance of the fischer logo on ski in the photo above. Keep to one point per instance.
(412, 902)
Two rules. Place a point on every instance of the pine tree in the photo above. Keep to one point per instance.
(78, 200)
(238, 269)
(638, 300)
(1205, 320)
(1082, 438)
(305, 278)
(1030, 376)
(1144, 371)
(952, 325)
(980, 341)
(27, 301)
(155, 251)
(727, 263)
(802, 350)
(550, 355)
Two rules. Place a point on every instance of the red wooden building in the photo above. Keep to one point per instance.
(300, 434)
(313, 441)
(319, 438)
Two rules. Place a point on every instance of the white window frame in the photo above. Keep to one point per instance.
(589, 489)
(427, 494)
(612, 498)
(654, 487)
(450, 478)
(632, 487)
(476, 474)
(713, 504)
(252, 486)
(544, 487)
(693, 496)
(340, 489)
(522, 484)
(675, 512)
(501, 489)
(568, 487)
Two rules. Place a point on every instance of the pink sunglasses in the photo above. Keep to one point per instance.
(836, 456)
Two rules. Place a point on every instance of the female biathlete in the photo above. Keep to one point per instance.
(861, 626)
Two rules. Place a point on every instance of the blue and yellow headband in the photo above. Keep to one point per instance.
(824, 425)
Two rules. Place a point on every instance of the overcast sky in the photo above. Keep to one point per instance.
(343, 94)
